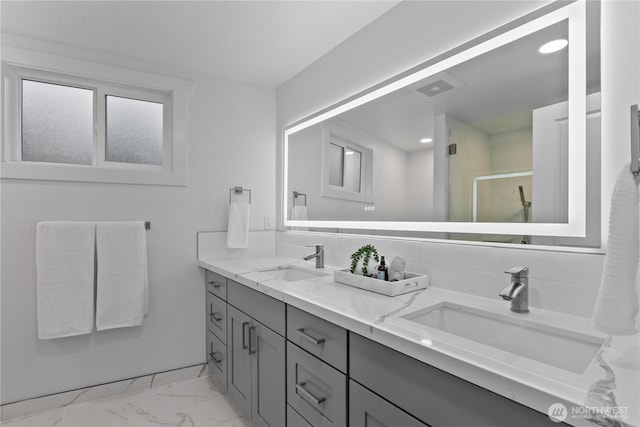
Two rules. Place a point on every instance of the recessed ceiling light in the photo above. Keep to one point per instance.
(426, 140)
(553, 46)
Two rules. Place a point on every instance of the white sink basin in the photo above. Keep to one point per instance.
(564, 349)
(292, 274)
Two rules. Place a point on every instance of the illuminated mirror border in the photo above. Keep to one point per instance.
(575, 13)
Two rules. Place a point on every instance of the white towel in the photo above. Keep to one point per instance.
(65, 278)
(123, 283)
(617, 303)
(299, 213)
(238, 226)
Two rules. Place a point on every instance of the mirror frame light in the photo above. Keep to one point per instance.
(575, 13)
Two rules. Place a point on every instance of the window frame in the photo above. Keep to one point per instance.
(348, 139)
(103, 80)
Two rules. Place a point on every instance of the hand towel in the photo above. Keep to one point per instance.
(617, 303)
(123, 282)
(396, 269)
(65, 278)
(299, 213)
(238, 226)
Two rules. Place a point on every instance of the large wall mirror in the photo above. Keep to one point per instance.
(491, 141)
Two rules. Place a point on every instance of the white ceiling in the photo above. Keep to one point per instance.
(260, 42)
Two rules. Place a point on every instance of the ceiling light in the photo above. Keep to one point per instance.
(426, 140)
(553, 46)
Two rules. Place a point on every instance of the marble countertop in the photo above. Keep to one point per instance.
(608, 392)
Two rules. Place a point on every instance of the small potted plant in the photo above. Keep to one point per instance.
(364, 253)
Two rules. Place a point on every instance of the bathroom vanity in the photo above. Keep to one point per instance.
(298, 349)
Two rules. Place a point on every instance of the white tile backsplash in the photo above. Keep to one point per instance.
(213, 244)
(560, 281)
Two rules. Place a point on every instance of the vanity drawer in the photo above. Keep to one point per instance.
(366, 409)
(217, 284)
(315, 390)
(431, 395)
(217, 316)
(217, 359)
(321, 338)
(294, 419)
(266, 310)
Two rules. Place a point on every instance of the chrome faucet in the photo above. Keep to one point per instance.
(318, 255)
(518, 290)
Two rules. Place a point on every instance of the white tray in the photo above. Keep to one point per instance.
(412, 282)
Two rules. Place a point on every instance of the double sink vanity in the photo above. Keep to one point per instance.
(292, 347)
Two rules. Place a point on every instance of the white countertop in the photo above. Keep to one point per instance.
(611, 382)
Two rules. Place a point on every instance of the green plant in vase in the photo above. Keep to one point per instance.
(365, 254)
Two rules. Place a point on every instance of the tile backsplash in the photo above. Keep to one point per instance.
(560, 281)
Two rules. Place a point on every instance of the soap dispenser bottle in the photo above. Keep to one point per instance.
(383, 271)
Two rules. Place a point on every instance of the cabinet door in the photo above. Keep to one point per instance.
(239, 361)
(268, 405)
(369, 410)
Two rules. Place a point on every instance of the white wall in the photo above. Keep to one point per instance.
(420, 185)
(231, 142)
(413, 32)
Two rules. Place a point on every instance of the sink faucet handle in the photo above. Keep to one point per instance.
(518, 271)
(318, 246)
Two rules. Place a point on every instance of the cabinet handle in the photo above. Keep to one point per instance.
(216, 316)
(251, 349)
(216, 356)
(307, 337)
(244, 335)
(307, 395)
(215, 284)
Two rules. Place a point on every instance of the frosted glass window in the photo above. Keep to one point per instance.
(134, 131)
(352, 170)
(57, 123)
(336, 165)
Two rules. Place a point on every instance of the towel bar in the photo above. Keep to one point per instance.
(238, 190)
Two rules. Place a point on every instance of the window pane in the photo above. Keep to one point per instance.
(336, 154)
(352, 170)
(134, 131)
(57, 123)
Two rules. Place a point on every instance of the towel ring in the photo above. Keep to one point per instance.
(240, 191)
(296, 195)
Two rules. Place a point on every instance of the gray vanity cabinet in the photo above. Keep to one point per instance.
(316, 368)
(435, 397)
(256, 361)
(239, 364)
(216, 320)
(366, 409)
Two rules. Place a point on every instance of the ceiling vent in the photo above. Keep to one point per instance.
(438, 84)
(436, 88)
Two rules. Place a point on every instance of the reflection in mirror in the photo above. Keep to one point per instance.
(485, 140)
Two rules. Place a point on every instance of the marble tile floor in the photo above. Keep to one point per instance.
(191, 403)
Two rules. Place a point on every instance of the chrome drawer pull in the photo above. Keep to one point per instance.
(306, 394)
(216, 356)
(215, 284)
(307, 337)
(244, 335)
(216, 316)
(251, 349)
